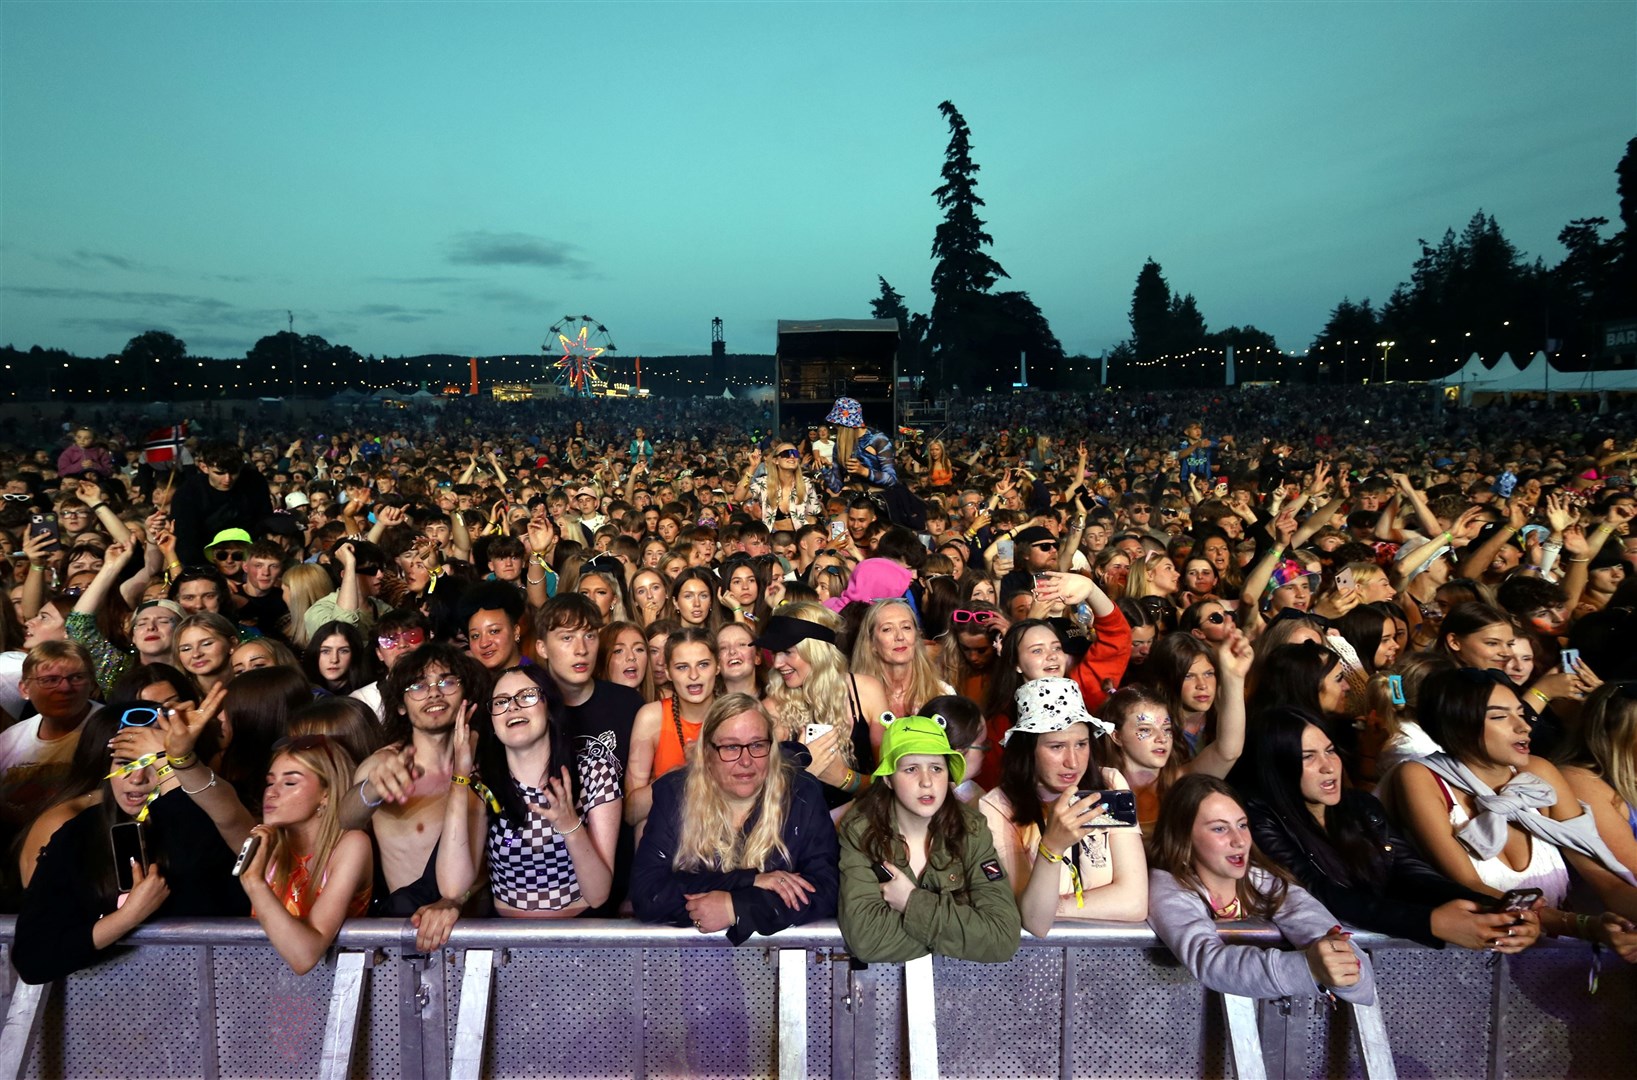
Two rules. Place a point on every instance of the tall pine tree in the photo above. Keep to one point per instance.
(963, 270)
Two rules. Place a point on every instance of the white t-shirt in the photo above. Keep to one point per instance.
(32, 769)
(11, 676)
(824, 450)
(371, 695)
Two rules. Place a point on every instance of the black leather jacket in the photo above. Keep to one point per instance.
(1399, 898)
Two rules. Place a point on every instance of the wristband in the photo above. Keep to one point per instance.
(365, 798)
(1074, 872)
(184, 761)
(578, 825)
(478, 786)
(1536, 693)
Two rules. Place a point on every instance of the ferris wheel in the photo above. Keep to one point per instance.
(575, 350)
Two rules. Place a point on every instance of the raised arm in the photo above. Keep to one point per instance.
(1233, 662)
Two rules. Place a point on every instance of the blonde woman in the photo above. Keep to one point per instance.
(303, 586)
(788, 500)
(890, 648)
(307, 874)
(204, 648)
(814, 700)
(739, 840)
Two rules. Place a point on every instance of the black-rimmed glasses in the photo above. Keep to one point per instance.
(731, 752)
(523, 699)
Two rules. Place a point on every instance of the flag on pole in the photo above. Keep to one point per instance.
(163, 446)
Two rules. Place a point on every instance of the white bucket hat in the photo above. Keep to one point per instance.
(1050, 704)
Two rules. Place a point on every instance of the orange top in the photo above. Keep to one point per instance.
(299, 899)
(674, 735)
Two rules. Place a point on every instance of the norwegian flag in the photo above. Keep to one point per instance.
(163, 446)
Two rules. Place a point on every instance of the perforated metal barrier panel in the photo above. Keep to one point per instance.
(212, 999)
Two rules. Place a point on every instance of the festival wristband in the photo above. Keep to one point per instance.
(482, 792)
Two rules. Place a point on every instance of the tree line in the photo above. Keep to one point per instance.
(1472, 291)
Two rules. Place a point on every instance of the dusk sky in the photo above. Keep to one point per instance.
(413, 178)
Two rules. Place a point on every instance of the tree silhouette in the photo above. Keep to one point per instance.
(1150, 313)
(963, 271)
(155, 346)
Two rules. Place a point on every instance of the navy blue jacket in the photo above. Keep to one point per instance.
(658, 889)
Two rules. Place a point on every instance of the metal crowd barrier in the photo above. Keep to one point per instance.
(509, 998)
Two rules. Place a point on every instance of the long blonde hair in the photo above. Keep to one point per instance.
(309, 583)
(924, 683)
(1609, 723)
(329, 761)
(846, 443)
(710, 840)
(825, 697)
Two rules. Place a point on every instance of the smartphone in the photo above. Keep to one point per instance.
(1005, 549)
(1518, 900)
(129, 840)
(46, 525)
(1569, 660)
(815, 730)
(246, 852)
(882, 874)
(1119, 807)
(838, 529)
(1344, 580)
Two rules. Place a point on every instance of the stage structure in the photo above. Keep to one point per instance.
(820, 360)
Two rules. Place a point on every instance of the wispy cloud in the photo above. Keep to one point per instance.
(515, 249)
(416, 280)
(513, 299)
(177, 308)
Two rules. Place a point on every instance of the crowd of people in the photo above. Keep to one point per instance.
(1184, 659)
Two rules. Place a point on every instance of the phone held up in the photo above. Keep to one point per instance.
(1119, 808)
(246, 853)
(130, 842)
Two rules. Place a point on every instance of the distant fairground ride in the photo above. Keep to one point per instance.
(575, 348)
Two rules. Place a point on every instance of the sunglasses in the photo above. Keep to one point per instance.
(139, 716)
(962, 615)
(224, 554)
(1044, 545)
(789, 453)
(368, 570)
(1217, 618)
(9, 497)
(409, 639)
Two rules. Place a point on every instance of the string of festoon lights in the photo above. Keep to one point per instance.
(455, 376)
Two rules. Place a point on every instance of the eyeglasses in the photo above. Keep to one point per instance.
(10, 497)
(415, 691)
(962, 615)
(408, 639)
(523, 699)
(224, 554)
(1138, 509)
(72, 513)
(731, 752)
(52, 682)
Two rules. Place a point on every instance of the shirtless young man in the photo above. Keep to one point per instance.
(400, 791)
